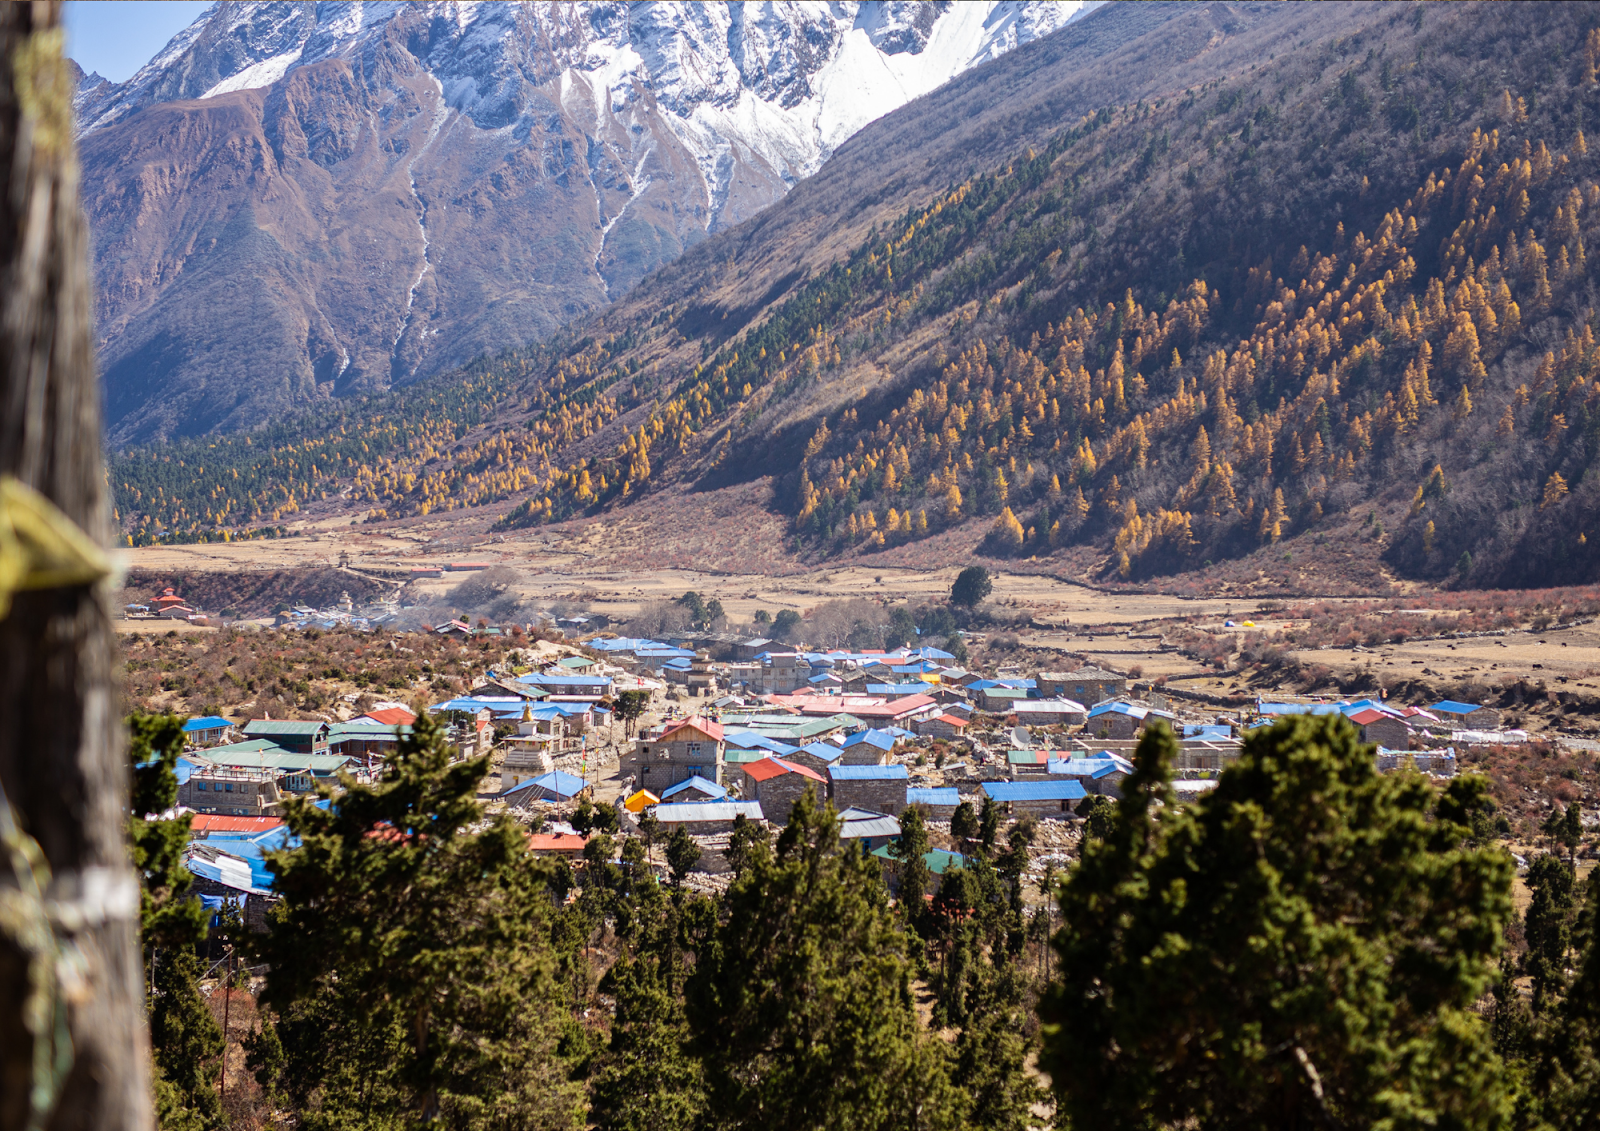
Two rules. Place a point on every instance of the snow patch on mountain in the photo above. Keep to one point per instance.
(782, 83)
(256, 75)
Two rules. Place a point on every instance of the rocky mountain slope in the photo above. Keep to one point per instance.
(1240, 292)
(297, 200)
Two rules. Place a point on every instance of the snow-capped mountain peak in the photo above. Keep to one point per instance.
(426, 181)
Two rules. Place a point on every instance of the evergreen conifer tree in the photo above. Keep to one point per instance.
(1548, 926)
(185, 1039)
(408, 965)
(1301, 948)
(909, 850)
(800, 1001)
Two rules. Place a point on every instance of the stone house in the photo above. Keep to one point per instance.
(784, 673)
(942, 726)
(232, 791)
(707, 818)
(868, 748)
(882, 789)
(289, 734)
(693, 789)
(1049, 712)
(1086, 685)
(1001, 700)
(871, 830)
(1100, 773)
(688, 748)
(778, 783)
(819, 756)
(1038, 798)
(1115, 720)
(937, 802)
(1382, 729)
(1466, 716)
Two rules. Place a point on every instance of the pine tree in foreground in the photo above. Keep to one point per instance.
(410, 969)
(1302, 948)
(185, 1039)
(800, 1001)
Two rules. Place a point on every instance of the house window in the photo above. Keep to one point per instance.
(199, 785)
(228, 787)
(694, 749)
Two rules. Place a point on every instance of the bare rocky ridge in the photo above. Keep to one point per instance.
(300, 200)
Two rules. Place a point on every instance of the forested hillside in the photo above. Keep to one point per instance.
(1340, 294)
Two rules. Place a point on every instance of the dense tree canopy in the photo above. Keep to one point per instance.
(407, 957)
(1301, 948)
(801, 997)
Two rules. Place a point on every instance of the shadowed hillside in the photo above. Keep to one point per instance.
(1214, 279)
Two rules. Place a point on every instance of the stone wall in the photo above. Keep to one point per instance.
(882, 796)
(778, 795)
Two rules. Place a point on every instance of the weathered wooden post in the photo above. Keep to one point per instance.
(73, 1042)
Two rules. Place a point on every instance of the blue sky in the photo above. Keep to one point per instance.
(117, 37)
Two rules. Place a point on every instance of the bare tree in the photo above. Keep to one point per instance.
(61, 755)
(658, 619)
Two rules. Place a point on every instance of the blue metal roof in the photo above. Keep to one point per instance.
(1297, 708)
(557, 782)
(206, 722)
(624, 644)
(826, 751)
(544, 679)
(867, 773)
(947, 795)
(1095, 767)
(877, 738)
(755, 740)
(710, 788)
(1034, 791)
(1119, 709)
(1451, 707)
(476, 703)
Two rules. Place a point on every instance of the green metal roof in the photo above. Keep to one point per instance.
(281, 726)
(252, 746)
(803, 729)
(938, 861)
(284, 761)
(365, 730)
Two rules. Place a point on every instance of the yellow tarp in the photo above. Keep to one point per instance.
(640, 801)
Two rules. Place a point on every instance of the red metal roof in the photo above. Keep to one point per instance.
(555, 842)
(216, 823)
(706, 727)
(769, 768)
(1370, 715)
(953, 720)
(393, 716)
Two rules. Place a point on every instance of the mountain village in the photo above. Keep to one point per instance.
(698, 732)
(903, 566)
